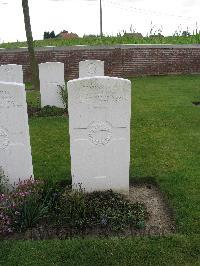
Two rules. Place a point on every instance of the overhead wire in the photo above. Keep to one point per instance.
(147, 11)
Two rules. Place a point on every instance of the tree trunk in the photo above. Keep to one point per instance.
(33, 62)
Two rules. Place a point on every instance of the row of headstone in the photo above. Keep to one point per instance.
(52, 78)
(99, 124)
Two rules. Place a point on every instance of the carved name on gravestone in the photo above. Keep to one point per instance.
(91, 68)
(11, 73)
(51, 77)
(99, 126)
(15, 149)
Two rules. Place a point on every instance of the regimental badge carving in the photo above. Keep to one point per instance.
(4, 140)
(100, 133)
(92, 69)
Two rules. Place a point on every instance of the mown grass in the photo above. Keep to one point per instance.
(110, 40)
(165, 137)
(33, 98)
(176, 250)
(165, 141)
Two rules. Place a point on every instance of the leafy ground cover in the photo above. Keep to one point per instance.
(193, 39)
(38, 210)
(165, 136)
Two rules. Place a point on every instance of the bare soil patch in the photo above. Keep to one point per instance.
(160, 220)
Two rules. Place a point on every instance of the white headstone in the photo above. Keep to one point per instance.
(11, 73)
(15, 149)
(91, 68)
(99, 126)
(51, 77)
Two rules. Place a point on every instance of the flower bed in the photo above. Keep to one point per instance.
(41, 210)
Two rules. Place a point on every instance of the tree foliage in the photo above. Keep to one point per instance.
(49, 35)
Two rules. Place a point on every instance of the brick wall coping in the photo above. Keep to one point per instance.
(104, 47)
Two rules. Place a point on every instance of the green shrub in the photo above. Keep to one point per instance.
(25, 205)
(46, 111)
(64, 96)
(51, 111)
(70, 210)
(3, 181)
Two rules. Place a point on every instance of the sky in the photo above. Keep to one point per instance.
(82, 17)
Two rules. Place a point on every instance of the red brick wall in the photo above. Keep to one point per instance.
(120, 60)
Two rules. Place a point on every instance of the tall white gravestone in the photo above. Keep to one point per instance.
(15, 149)
(11, 73)
(99, 126)
(91, 68)
(51, 77)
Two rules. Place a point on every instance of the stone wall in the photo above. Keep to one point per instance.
(120, 60)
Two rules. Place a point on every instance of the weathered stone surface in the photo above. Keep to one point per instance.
(99, 124)
(11, 73)
(15, 149)
(91, 68)
(51, 77)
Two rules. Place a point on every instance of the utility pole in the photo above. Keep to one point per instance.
(101, 20)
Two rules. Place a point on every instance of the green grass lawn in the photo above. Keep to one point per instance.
(108, 40)
(165, 141)
(33, 98)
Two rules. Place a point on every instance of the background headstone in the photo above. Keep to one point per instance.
(99, 125)
(91, 68)
(51, 76)
(11, 73)
(15, 149)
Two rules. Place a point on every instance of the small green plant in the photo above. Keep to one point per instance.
(64, 96)
(3, 181)
(32, 211)
(25, 205)
(71, 210)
